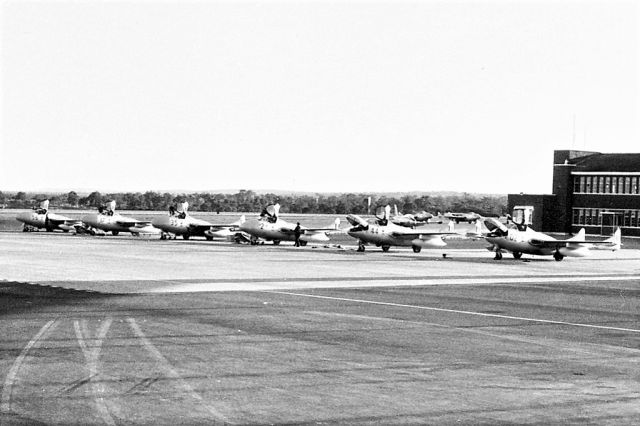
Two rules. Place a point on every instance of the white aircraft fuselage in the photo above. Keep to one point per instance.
(383, 236)
(280, 230)
(187, 227)
(48, 221)
(117, 223)
(524, 242)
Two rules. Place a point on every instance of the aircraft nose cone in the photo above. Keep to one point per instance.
(159, 222)
(23, 217)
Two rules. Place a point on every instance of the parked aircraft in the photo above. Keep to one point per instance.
(108, 220)
(271, 228)
(179, 222)
(410, 220)
(521, 239)
(384, 233)
(40, 218)
(462, 217)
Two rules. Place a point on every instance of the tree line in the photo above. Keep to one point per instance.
(250, 201)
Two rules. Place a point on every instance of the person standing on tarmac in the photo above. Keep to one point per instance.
(296, 234)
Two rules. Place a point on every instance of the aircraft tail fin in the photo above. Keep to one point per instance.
(44, 204)
(336, 224)
(395, 210)
(615, 240)
(580, 236)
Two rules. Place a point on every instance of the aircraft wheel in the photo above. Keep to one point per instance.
(92, 233)
(163, 237)
(209, 238)
(135, 234)
(115, 233)
(303, 243)
(276, 242)
(517, 255)
(498, 256)
(385, 247)
(49, 229)
(416, 249)
(557, 256)
(360, 247)
(25, 229)
(185, 236)
(253, 241)
(65, 231)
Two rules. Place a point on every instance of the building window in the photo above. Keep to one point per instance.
(576, 216)
(596, 217)
(607, 185)
(634, 185)
(627, 218)
(600, 185)
(614, 184)
(588, 184)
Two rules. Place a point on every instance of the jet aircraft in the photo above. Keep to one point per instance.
(40, 218)
(271, 228)
(462, 217)
(179, 222)
(384, 233)
(410, 220)
(108, 220)
(519, 239)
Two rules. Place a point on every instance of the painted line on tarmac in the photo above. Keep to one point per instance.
(7, 390)
(171, 372)
(364, 282)
(91, 350)
(456, 311)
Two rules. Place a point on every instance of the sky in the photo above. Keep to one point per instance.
(319, 96)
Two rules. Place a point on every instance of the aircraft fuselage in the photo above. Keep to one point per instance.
(187, 226)
(380, 235)
(117, 223)
(280, 230)
(49, 221)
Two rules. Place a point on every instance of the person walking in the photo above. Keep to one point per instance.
(296, 233)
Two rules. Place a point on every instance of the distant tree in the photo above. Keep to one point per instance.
(95, 199)
(72, 198)
(21, 196)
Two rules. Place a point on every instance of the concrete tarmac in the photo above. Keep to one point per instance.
(123, 330)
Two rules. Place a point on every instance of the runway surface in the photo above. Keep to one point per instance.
(121, 330)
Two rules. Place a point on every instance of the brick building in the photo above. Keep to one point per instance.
(591, 190)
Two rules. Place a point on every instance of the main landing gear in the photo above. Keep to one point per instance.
(557, 256)
(416, 249)
(360, 246)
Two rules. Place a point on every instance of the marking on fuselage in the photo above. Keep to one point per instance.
(7, 390)
(456, 311)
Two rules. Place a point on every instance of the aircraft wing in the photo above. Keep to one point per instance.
(563, 243)
(133, 223)
(68, 222)
(198, 229)
(424, 235)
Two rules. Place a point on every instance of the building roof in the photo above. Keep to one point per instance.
(608, 163)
